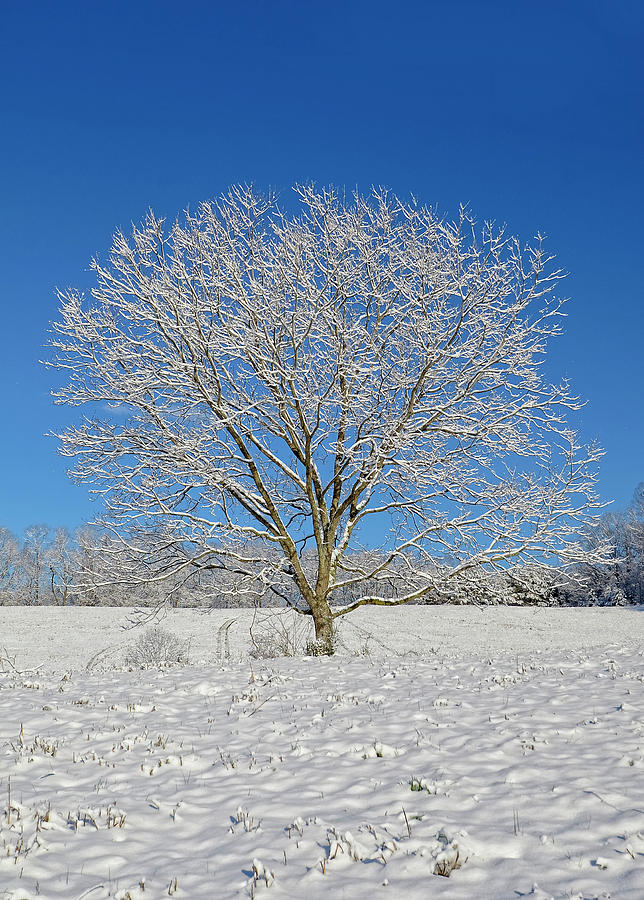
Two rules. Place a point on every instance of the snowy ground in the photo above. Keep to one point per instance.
(504, 747)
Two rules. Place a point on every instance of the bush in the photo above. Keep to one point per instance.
(157, 648)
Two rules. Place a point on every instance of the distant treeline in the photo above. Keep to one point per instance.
(56, 567)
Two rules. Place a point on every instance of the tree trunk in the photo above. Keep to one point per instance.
(323, 621)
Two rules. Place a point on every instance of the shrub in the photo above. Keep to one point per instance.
(157, 648)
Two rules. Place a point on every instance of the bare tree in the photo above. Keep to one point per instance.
(10, 566)
(362, 372)
(636, 515)
(34, 563)
(619, 577)
(62, 564)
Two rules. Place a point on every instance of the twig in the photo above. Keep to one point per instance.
(407, 822)
(259, 705)
(11, 662)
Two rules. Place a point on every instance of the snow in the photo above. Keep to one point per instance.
(445, 752)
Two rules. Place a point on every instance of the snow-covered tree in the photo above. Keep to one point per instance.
(10, 566)
(619, 578)
(292, 387)
(63, 565)
(636, 544)
(34, 564)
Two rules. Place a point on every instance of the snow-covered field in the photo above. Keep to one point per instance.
(501, 747)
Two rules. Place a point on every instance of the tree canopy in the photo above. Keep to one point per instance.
(278, 393)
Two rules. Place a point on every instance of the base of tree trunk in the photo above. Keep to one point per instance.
(324, 643)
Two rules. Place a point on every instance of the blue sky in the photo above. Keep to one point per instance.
(533, 114)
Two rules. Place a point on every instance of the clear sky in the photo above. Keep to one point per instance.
(531, 113)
